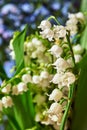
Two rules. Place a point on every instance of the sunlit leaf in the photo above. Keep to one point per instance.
(18, 45)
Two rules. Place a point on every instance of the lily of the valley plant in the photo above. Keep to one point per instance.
(41, 94)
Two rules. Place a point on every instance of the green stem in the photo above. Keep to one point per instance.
(70, 96)
(69, 43)
(13, 78)
(52, 17)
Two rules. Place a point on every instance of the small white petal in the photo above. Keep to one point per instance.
(26, 78)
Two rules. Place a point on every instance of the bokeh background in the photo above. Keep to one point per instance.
(14, 14)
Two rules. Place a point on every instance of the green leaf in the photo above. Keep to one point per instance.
(80, 110)
(34, 128)
(24, 109)
(84, 39)
(11, 119)
(84, 35)
(84, 5)
(18, 45)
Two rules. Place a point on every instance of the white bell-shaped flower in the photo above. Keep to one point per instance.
(22, 87)
(68, 79)
(6, 89)
(48, 33)
(57, 78)
(44, 25)
(36, 79)
(61, 64)
(55, 108)
(59, 31)
(56, 51)
(44, 75)
(26, 78)
(15, 90)
(56, 95)
(7, 101)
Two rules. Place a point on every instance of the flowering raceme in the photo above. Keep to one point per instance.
(47, 72)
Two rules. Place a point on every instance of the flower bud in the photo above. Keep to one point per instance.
(78, 49)
(77, 58)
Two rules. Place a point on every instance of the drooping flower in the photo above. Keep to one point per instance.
(61, 64)
(56, 95)
(22, 87)
(7, 101)
(44, 25)
(55, 108)
(26, 78)
(59, 31)
(56, 51)
(6, 89)
(47, 33)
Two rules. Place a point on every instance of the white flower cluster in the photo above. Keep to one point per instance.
(51, 33)
(33, 48)
(49, 70)
(22, 86)
(6, 102)
(58, 31)
(18, 88)
(42, 79)
(63, 78)
(74, 19)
